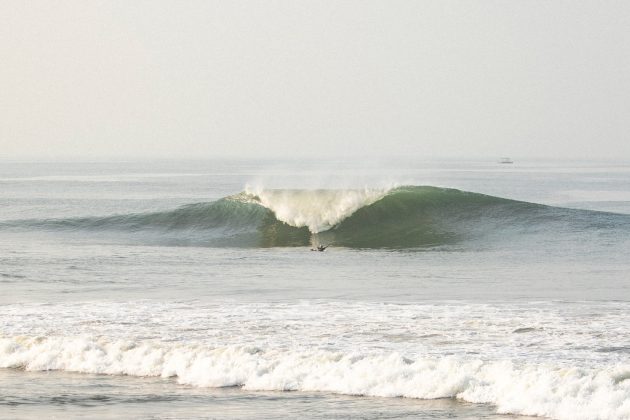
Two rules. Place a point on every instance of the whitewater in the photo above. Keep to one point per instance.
(413, 351)
(470, 290)
(318, 210)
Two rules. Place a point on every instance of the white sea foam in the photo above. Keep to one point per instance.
(319, 210)
(562, 360)
(531, 389)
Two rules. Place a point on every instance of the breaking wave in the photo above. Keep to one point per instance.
(530, 389)
(403, 217)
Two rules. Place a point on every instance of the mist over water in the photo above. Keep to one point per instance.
(501, 288)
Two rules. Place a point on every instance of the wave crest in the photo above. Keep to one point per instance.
(318, 210)
(530, 389)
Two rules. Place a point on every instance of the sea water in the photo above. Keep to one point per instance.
(451, 289)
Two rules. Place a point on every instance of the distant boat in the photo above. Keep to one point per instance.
(506, 160)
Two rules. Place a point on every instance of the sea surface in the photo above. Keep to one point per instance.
(188, 289)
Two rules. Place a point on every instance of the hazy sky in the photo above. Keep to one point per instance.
(315, 78)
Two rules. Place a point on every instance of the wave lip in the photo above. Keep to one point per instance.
(530, 389)
(318, 210)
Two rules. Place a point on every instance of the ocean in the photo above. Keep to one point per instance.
(459, 289)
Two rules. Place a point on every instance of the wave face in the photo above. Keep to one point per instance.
(403, 217)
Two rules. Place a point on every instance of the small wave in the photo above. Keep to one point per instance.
(528, 389)
(524, 330)
(12, 276)
(614, 349)
(403, 217)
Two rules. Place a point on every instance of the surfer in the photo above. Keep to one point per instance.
(320, 248)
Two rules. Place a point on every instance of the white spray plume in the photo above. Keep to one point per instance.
(319, 210)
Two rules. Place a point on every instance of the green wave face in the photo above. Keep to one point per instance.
(411, 217)
(405, 217)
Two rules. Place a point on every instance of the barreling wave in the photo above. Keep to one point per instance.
(402, 217)
(556, 391)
